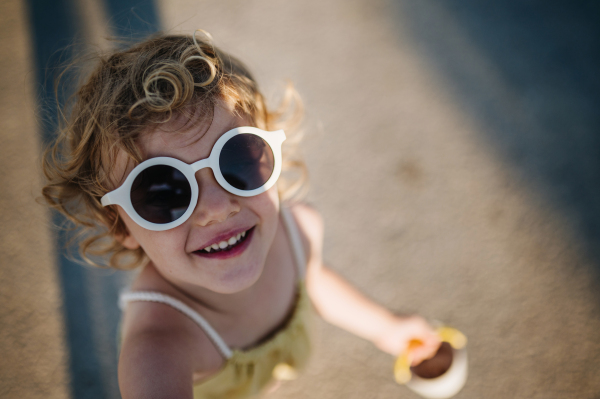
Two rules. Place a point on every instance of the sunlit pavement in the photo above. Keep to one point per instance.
(455, 181)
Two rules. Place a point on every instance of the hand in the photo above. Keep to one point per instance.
(413, 332)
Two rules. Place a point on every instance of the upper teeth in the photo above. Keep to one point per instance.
(224, 244)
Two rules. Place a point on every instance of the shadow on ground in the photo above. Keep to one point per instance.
(528, 71)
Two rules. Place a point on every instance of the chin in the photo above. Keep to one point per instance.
(239, 280)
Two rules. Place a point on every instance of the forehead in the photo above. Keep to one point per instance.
(189, 139)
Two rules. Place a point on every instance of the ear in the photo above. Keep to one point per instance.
(122, 234)
(127, 240)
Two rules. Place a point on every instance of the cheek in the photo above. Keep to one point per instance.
(267, 205)
(162, 245)
(156, 244)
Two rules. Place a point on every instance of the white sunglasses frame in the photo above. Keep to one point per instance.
(121, 196)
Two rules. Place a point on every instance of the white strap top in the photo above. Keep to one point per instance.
(223, 348)
(295, 240)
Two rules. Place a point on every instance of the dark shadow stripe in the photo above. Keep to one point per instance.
(132, 19)
(546, 55)
(86, 375)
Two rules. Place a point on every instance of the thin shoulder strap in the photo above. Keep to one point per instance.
(295, 240)
(152, 296)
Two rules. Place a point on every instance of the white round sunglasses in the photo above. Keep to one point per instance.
(161, 193)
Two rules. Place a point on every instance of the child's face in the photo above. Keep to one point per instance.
(219, 215)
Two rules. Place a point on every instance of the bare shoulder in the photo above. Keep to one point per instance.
(161, 352)
(310, 224)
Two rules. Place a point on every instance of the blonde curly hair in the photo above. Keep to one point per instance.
(131, 91)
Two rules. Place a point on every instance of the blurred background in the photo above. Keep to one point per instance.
(454, 152)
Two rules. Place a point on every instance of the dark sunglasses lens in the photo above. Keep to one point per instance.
(161, 194)
(246, 161)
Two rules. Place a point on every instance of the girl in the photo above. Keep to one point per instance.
(170, 160)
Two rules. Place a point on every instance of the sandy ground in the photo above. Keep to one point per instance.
(32, 347)
(423, 211)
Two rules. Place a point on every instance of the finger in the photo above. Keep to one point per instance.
(424, 352)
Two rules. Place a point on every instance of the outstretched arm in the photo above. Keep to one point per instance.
(342, 305)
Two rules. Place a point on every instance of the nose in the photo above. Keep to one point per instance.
(215, 204)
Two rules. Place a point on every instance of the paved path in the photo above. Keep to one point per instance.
(453, 152)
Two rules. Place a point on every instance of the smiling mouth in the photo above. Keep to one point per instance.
(227, 245)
